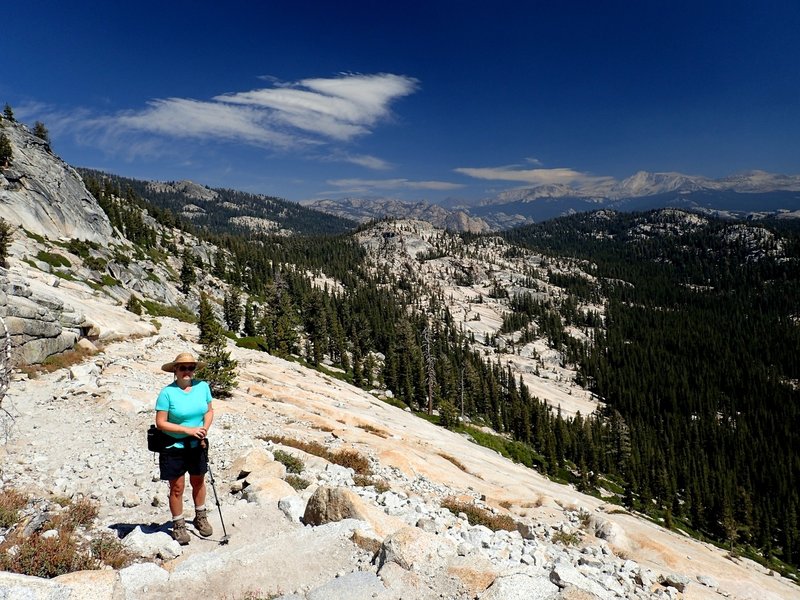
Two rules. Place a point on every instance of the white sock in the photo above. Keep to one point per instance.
(178, 518)
(201, 507)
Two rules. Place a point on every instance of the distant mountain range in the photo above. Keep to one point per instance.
(755, 194)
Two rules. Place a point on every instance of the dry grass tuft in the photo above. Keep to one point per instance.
(297, 482)
(454, 460)
(11, 501)
(344, 458)
(480, 516)
(55, 362)
(378, 483)
(373, 430)
(109, 550)
(506, 504)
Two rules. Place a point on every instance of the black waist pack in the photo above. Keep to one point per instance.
(157, 440)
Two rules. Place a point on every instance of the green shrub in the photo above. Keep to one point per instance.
(292, 463)
(52, 259)
(5, 240)
(182, 313)
(95, 264)
(567, 539)
(134, 305)
(81, 247)
(253, 343)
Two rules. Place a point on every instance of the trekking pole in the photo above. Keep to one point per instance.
(225, 538)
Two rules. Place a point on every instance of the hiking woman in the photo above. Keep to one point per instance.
(184, 411)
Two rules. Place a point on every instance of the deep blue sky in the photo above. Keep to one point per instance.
(415, 100)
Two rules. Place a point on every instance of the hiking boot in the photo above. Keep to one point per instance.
(179, 533)
(201, 523)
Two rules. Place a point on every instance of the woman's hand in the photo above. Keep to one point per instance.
(198, 432)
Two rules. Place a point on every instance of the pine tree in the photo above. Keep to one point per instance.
(220, 269)
(249, 319)
(6, 151)
(188, 275)
(40, 131)
(207, 322)
(232, 309)
(8, 113)
(134, 305)
(220, 368)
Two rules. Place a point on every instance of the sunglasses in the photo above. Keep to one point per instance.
(188, 368)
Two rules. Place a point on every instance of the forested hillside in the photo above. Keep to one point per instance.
(223, 210)
(699, 361)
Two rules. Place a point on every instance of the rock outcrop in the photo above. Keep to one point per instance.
(46, 196)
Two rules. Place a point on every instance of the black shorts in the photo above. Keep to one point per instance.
(176, 462)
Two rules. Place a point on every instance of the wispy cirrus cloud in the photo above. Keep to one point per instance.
(313, 113)
(363, 160)
(359, 186)
(536, 176)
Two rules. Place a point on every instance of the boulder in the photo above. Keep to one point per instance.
(327, 505)
(679, 582)
(266, 491)
(14, 586)
(93, 585)
(520, 586)
(415, 550)
(152, 545)
(139, 576)
(293, 507)
(475, 573)
(359, 585)
(253, 461)
(606, 529)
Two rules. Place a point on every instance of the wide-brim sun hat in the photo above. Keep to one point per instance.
(184, 358)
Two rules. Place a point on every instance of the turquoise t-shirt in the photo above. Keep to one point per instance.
(184, 408)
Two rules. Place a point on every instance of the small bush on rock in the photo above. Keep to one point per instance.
(297, 482)
(567, 539)
(52, 259)
(11, 501)
(45, 557)
(292, 463)
(109, 550)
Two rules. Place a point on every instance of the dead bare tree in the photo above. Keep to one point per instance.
(5, 360)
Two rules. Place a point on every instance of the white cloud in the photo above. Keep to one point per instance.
(369, 162)
(310, 112)
(363, 185)
(339, 108)
(531, 176)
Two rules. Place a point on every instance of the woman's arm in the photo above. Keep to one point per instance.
(208, 418)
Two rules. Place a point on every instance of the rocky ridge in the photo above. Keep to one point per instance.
(364, 210)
